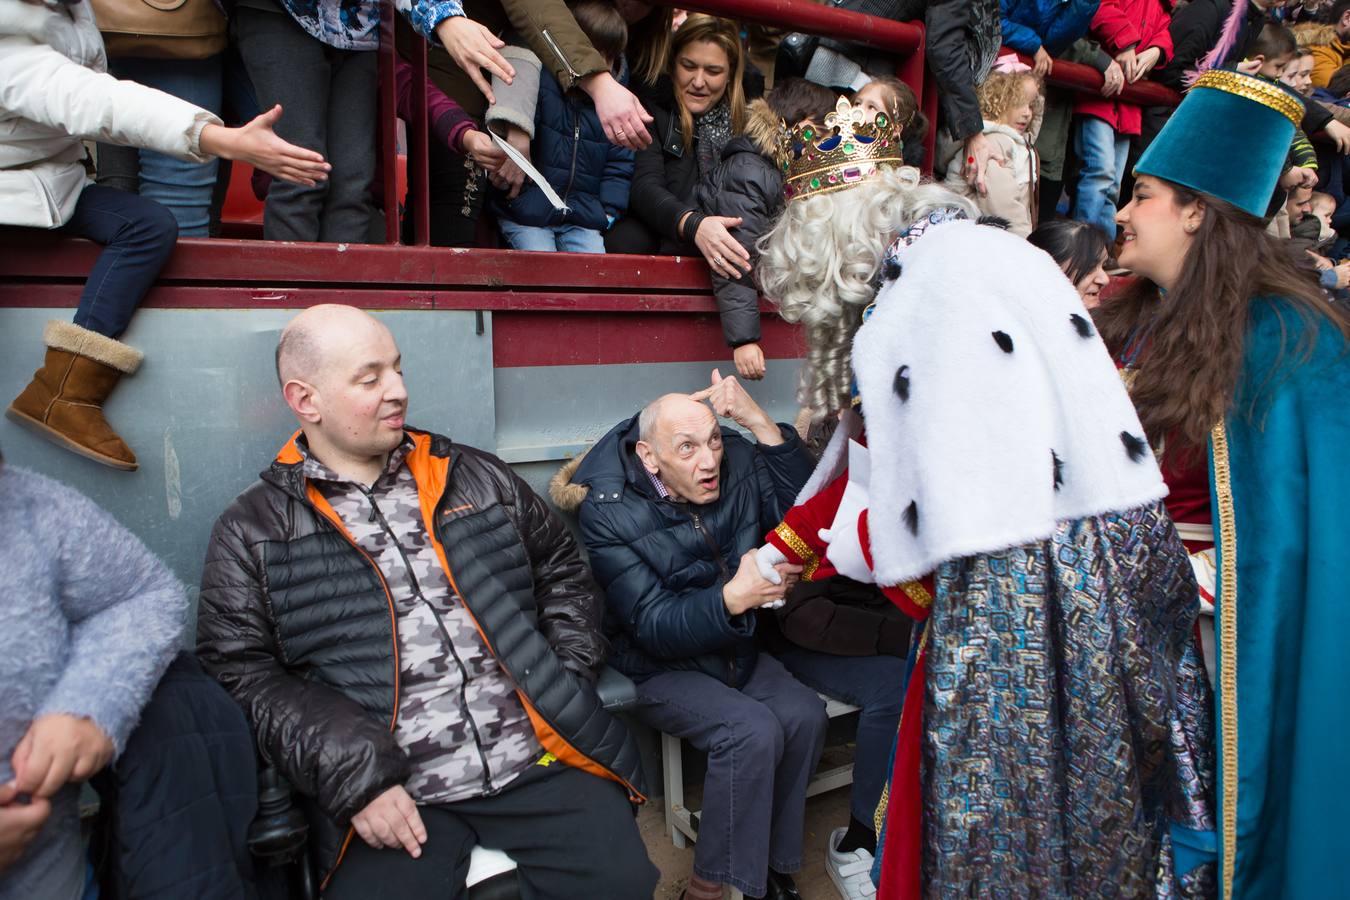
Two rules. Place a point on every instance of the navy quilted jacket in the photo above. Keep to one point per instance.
(571, 151)
(663, 563)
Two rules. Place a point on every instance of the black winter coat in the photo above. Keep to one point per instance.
(296, 623)
(664, 179)
(663, 564)
(746, 183)
(175, 809)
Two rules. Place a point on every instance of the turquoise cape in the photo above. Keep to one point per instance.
(1280, 485)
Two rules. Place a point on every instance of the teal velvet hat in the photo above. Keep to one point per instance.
(1228, 138)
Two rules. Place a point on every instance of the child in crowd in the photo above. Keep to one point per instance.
(1080, 250)
(1323, 207)
(1298, 74)
(1274, 51)
(1010, 101)
(888, 94)
(569, 148)
(1135, 33)
(748, 184)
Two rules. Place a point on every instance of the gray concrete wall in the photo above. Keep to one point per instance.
(204, 414)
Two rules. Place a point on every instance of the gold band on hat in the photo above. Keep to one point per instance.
(1268, 95)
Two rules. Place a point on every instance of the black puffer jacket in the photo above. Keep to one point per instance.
(745, 184)
(297, 625)
(663, 564)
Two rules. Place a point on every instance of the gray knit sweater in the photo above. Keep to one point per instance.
(89, 619)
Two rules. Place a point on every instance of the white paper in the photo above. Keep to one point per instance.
(530, 172)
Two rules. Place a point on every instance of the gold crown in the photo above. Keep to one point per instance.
(846, 151)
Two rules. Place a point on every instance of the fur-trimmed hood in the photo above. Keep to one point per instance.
(566, 494)
(762, 127)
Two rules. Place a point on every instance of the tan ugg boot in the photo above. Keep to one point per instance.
(64, 401)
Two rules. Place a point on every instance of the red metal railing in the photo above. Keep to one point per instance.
(215, 272)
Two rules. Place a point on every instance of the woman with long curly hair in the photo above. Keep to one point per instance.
(1237, 364)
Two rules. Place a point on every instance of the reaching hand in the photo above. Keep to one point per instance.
(1113, 80)
(391, 820)
(19, 823)
(1342, 275)
(624, 120)
(724, 253)
(749, 361)
(474, 48)
(1340, 134)
(1043, 63)
(480, 148)
(59, 749)
(749, 590)
(509, 176)
(980, 151)
(259, 146)
(766, 558)
(1249, 66)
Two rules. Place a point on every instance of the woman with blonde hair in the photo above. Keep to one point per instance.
(691, 127)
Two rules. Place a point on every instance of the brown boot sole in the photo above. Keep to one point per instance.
(56, 437)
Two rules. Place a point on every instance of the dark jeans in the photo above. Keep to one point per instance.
(572, 835)
(876, 685)
(763, 742)
(328, 101)
(138, 237)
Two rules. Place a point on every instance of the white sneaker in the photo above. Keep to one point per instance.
(851, 872)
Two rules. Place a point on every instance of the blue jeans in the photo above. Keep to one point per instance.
(138, 237)
(184, 188)
(562, 238)
(763, 742)
(1104, 155)
(876, 684)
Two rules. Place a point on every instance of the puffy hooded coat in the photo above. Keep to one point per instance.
(663, 563)
(572, 153)
(55, 91)
(297, 623)
(748, 184)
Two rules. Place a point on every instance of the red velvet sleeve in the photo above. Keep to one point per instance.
(798, 537)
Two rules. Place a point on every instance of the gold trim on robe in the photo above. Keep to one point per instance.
(810, 562)
(1226, 532)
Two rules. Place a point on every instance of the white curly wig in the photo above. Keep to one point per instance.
(820, 264)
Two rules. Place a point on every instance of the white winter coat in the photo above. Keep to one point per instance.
(55, 91)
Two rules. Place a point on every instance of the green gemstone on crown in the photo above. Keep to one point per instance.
(815, 183)
(849, 148)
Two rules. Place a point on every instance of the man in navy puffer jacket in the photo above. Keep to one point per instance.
(570, 150)
(672, 508)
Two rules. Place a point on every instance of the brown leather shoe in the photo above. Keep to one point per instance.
(64, 401)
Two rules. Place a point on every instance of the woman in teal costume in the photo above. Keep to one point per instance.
(1241, 376)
